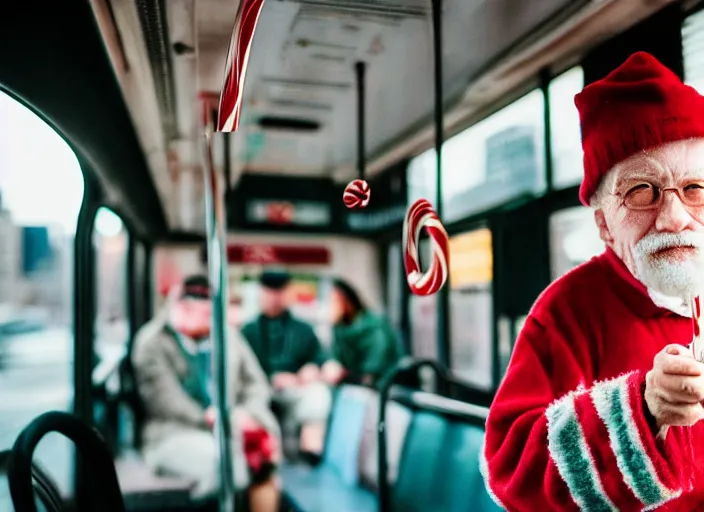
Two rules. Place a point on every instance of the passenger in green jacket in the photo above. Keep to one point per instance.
(298, 367)
(364, 343)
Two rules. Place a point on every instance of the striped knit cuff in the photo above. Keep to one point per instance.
(569, 450)
(613, 404)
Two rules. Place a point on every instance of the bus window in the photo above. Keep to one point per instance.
(495, 160)
(574, 239)
(565, 133)
(421, 177)
(471, 276)
(41, 188)
(394, 264)
(692, 44)
(110, 242)
(111, 326)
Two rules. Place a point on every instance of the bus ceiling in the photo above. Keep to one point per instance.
(167, 54)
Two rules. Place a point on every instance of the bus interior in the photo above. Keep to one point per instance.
(466, 104)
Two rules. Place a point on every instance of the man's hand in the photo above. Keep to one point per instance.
(211, 416)
(674, 388)
(284, 380)
(309, 373)
(332, 372)
(245, 421)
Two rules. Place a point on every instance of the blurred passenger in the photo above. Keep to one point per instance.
(172, 366)
(292, 357)
(364, 343)
(234, 313)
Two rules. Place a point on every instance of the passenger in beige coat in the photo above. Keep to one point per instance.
(173, 378)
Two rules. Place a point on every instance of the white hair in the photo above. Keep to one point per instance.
(604, 189)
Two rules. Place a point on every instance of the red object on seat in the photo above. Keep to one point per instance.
(259, 448)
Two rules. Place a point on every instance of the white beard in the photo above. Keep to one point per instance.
(673, 278)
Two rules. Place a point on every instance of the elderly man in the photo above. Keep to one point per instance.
(601, 403)
(172, 366)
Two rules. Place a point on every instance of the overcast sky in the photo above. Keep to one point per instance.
(40, 179)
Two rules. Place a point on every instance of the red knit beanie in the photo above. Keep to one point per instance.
(639, 105)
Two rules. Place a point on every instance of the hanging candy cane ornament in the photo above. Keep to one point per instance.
(357, 194)
(236, 65)
(421, 215)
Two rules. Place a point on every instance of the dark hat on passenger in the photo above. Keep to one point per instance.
(274, 279)
(196, 287)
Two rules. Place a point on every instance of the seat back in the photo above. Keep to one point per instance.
(439, 468)
(398, 419)
(345, 432)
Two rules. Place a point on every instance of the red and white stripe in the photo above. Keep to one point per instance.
(357, 194)
(697, 348)
(236, 65)
(421, 215)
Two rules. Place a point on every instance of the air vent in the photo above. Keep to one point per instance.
(288, 124)
(381, 8)
(308, 84)
(152, 18)
(291, 103)
(328, 58)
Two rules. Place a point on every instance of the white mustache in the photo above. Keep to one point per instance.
(650, 244)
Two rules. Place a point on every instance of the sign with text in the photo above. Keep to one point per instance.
(297, 213)
(471, 259)
(266, 254)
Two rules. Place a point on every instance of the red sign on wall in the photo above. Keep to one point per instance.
(264, 254)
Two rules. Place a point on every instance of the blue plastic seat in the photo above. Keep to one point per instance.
(333, 485)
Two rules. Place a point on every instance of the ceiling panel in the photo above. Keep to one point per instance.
(304, 52)
(301, 67)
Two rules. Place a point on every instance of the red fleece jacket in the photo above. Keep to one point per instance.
(568, 429)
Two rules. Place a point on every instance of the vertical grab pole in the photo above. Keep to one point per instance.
(217, 268)
(360, 71)
(444, 293)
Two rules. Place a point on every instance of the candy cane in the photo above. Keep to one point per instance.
(236, 65)
(694, 346)
(421, 215)
(697, 350)
(357, 193)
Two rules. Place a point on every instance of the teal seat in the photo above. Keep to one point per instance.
(439, 467)
(333, 485)
(416, 485)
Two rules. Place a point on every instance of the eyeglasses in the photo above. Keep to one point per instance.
(646, 196)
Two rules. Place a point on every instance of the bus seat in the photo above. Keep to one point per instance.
(439, 467)
(317, 490)
(333, 484)
(398, 419)
(143, 490)
(345, 432)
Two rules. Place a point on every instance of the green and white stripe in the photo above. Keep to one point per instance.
(568, 448)
(611, 401)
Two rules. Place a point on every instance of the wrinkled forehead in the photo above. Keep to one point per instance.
(667, 163)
